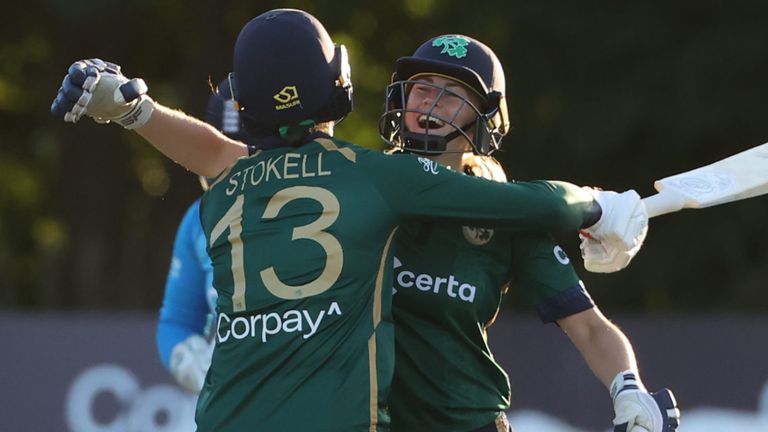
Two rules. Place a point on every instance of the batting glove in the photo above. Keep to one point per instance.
(99, 90)
(639, 411)
(605, 257)
(190, 361)
(611, 243)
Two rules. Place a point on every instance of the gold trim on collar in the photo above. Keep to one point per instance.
(331, 146)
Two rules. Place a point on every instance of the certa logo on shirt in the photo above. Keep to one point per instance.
(440, 285)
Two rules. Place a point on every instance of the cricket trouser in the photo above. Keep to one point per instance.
(501, 424)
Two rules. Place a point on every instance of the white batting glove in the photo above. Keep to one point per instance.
(98, 89)
(190, 361)
(611, 243)
(639, 411)
(605, 257)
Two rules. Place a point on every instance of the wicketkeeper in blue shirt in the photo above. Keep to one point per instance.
(189, 300)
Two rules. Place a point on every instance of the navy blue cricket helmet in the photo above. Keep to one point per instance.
(289, 72)
(222, 111)
(462, 59)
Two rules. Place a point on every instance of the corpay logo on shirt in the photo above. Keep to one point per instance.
(262, 326)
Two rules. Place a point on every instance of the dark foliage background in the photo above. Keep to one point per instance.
(615, 94)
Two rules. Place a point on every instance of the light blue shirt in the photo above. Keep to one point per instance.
(189, 297)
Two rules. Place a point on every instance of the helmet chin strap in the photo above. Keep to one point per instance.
(431, 144)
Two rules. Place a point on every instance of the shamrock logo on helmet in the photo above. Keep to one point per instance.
(452, 45)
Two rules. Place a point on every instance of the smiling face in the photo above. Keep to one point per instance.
(434, 102)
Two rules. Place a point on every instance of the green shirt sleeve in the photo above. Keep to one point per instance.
(543, 274)
(418, 187)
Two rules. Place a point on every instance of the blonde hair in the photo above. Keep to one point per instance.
(325, 127)
(483, 166)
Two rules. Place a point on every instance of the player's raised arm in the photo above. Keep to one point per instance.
(617, 220)
(99, 90)
(191, 142)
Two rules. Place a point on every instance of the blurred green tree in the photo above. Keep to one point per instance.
(615, 95)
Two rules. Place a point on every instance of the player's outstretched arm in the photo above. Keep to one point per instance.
(435, 192)
(194, 144)
(611, 358)
(99, 90)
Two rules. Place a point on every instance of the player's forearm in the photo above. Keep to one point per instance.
(579, 204)
(602, 345)
(190, 142)
(542, 205)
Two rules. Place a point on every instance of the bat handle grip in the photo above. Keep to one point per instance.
(666, 201)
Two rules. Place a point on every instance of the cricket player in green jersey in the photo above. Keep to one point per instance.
(450, 278)
(300, 227)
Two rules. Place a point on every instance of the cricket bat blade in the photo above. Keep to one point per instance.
(741, 176)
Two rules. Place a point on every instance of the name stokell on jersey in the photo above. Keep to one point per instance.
(300, 240)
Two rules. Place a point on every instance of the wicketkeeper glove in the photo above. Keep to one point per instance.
(639, 411)
(190, 361)
(610, 244)
(99, 90)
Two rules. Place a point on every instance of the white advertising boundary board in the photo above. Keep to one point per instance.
(100, 372)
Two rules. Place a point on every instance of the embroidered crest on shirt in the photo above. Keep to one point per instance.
(477, 236)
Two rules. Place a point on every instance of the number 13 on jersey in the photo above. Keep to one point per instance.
(233, 219)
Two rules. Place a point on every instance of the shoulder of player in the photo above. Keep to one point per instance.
(192, 214)
(193, 208)
(332, 144)
(387, 158)
(527, 238)
(539, 248)
(362, 155)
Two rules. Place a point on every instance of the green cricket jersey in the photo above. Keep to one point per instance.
(449, 281)
(300, 239)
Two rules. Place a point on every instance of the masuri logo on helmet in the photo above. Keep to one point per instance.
(288, 97)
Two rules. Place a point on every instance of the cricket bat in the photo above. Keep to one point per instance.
(741, 176)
